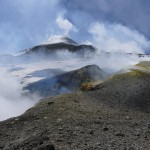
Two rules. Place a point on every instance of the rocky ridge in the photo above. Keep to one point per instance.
(67, 82)
(115, 115)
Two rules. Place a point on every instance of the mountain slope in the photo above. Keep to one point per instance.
(67, 82)
(113, 116)
(127, 90)
(63, 43)
(53, 49)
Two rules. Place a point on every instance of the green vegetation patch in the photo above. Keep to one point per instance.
(145, 65)
(132, 73)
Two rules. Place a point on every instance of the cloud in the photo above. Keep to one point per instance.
(118, 38)
(24, 24)
(134, 14)
(12, 101)
(65, 25)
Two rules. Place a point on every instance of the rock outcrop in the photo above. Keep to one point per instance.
(64, 44)
(113, 116)
(67, 82)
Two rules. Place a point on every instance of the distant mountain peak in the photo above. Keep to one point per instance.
(59, 39)
(57, 43)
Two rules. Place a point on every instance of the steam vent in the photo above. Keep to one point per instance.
(74, 75)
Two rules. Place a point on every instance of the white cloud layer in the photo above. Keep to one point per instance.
(118, 38)
(12, 101)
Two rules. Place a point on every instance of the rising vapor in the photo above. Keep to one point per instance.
(65, 25)
(118, 38)
(24, 24)
(12, 99)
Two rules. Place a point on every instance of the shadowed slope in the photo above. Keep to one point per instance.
(67, 82)
(114, 116)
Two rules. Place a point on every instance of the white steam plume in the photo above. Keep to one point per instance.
(113, 38)
(65, 25)
(118, 38)
(12, 101)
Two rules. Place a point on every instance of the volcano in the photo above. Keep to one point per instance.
(54, 45)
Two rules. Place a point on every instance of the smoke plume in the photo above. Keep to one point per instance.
(116, 26)
(24, 24)
(118, 38)
(12, 101)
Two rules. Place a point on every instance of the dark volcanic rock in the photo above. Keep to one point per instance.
(46, 147)
(67, 82)
(114, 116)
(128, 90)
(49, 50)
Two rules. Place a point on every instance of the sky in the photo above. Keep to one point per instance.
(25, 23)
